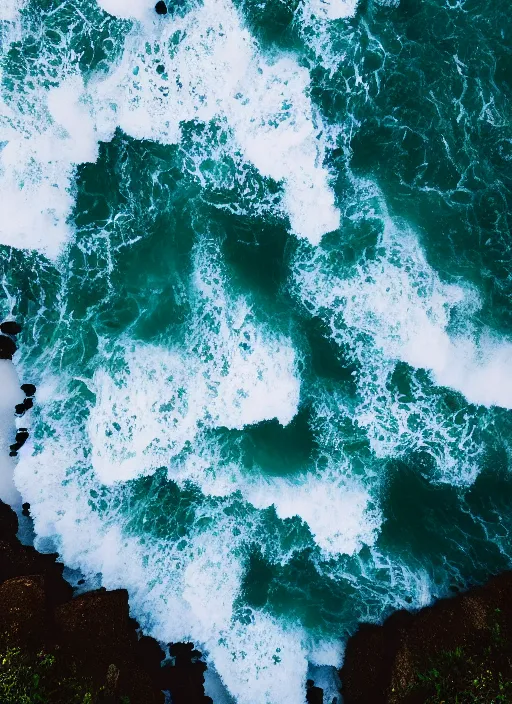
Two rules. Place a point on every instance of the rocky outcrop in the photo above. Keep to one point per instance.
(83, 648)
(458, 650)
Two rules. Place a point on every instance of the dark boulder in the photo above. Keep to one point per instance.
(185, 679)
(314, 695)
(161, 8)
(10, 327)
(101, 638)
(28, 389)
(7, 347)
(92, 638)
(8, 523)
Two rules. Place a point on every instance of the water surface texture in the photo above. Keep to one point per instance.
(261, 253)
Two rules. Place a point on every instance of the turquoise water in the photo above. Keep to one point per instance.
(261, 255)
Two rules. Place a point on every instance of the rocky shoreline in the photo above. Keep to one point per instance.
(60, 648)
(65, 649)
(457, 651)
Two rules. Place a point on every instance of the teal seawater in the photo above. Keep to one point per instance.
(267, 432)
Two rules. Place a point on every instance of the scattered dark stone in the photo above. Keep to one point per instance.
(81, 581)
(25, 509)
(28, 389)
(13, 453)
(19, 409)
(161, 8)
(7, 347)
(10, 327)
(314, 695)
(22, 436)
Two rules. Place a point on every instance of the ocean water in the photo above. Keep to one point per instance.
(261, 254)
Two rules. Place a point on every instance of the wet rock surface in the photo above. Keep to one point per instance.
(457, 650)
(91, 640)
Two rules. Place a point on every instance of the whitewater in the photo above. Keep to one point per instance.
(261, 258)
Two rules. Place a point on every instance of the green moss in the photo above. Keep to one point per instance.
(476, 673)
(40, 679)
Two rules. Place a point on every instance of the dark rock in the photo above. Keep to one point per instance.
(17, 560)
(10, 327)
(7, 347)
(383, 663)
(161, 8)
(19, 409)
(25, 509)
(28, 389)
(28, 404)
(8, 523)
(314, 695)
(150, 654)
(185, 679)
(22, 436)
(99, 635)
(23, 614)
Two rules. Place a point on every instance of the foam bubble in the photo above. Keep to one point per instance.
(129, 9)
(332, 9)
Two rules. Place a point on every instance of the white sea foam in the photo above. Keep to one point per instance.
(213, 70)
(43, 143)
(399, 303)
(129, 9)
(234, 372)
(9, 9)
(177, 592)
(338, 513)
(332, 9)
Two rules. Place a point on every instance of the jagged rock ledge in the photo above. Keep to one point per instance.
(457, 650)
(62, 649)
